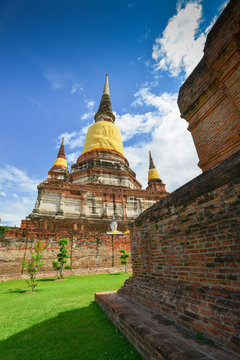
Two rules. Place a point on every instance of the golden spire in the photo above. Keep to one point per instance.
(152, 173)
(104, 134)
(60, 162)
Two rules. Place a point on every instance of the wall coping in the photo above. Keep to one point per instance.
(227, 172)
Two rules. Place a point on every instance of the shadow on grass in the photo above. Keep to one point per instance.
(82, 334)
(46, 279)
(121, 273)
(116, 273)
(21, 291)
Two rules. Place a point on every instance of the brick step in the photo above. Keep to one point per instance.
(153, 336)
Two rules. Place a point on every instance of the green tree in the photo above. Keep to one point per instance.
(3, 229)
(124, 259)
(34, 263)
(62, 258)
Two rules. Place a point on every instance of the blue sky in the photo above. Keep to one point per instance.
(53, 59)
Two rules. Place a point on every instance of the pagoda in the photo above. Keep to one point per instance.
(101, 185)
(154, 181)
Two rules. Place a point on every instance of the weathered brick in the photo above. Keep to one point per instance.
(88, 251)
(198, 289)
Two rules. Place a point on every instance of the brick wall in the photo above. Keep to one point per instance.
(209, 99)
(186, 258)
(89, 252)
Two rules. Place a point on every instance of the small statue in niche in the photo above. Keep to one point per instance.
(113, 224)
(113, 227)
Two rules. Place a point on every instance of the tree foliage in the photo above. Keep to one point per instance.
(61, 258)
(3, 229)
(34, 263)
(124, 259)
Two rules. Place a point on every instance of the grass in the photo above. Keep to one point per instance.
(60, 321)
(200, 336)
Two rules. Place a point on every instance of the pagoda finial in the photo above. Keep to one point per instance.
(151, 164)
(106, 86)
(60, 162)
(61, 153)
(105, 108)
(154, 181)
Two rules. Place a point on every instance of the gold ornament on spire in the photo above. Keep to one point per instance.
(61, 161)
(104, 134)
(152, 173)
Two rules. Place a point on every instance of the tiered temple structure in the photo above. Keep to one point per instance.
(81, 204)
(101, 184)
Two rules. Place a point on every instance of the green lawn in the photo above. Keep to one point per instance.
(60, 321)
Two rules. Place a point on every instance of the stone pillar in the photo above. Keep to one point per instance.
(83, 207)
(61, 206)
(124, 207)
(37, 204)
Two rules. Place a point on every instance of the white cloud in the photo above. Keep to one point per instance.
(181, 46)
(10, 176)
(131, 125)
(13, 211)
(67, 137)
(171, 144)
(74, 139)
(76, 87)
(90, 113)
(20, 194)
(87, 115)
(89, 104)
(211, 25)
(223, 5)
(2, 193)
(72, 157)
(163, 102)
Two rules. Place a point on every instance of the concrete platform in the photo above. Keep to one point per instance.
(154, 337)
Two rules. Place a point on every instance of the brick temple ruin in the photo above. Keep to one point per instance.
(81, 204)
(185, 249)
